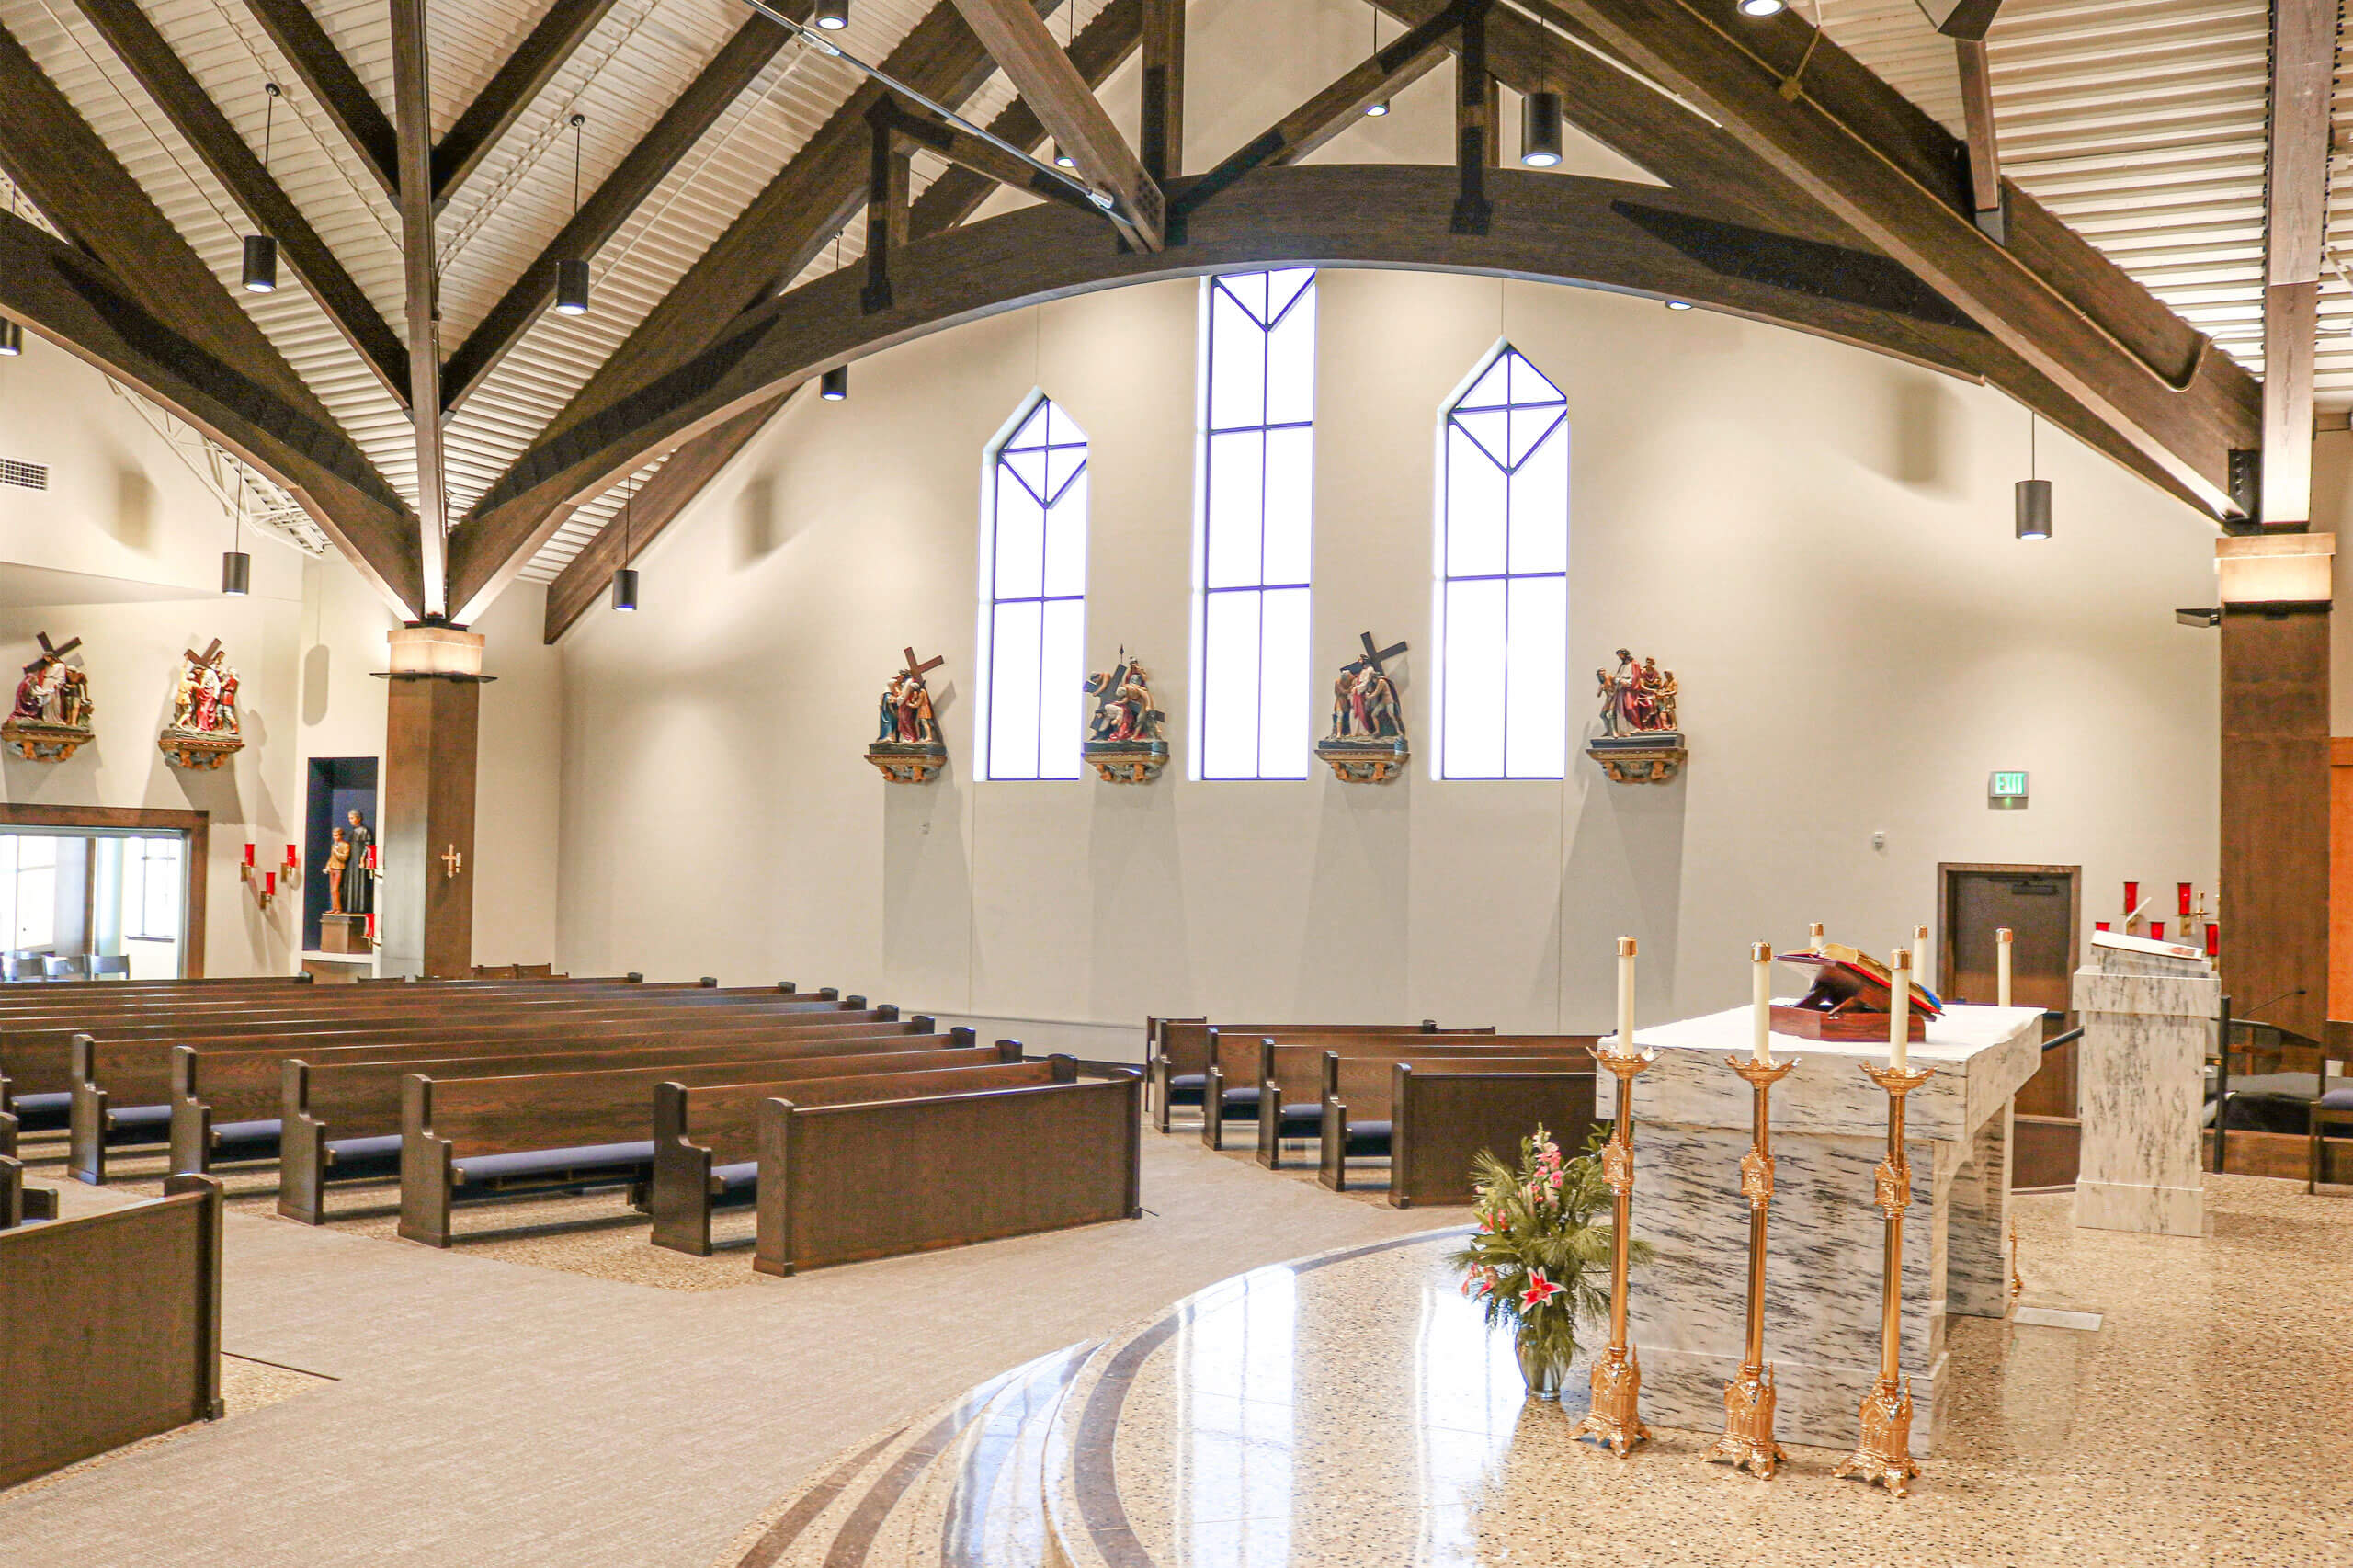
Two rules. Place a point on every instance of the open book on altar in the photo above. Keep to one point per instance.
(1849, 980)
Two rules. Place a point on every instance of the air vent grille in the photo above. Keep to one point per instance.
(31, 476)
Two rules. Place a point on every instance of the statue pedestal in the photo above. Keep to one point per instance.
(2148, 1019)
(1685, 1310)
(342, 934)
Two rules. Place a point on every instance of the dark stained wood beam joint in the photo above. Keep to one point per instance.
(886, 208)
(182, 100)
(1160, 140)
(1965, 21)
(984, 158)
(1016, 38)
(1985, 145)
(503, 99)
(733, 69)
(1474, 125)
(337, 87)
(2295, 200)
(1404, 61)
(412, 124)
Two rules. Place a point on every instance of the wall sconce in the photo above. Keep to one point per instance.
(373, 940)
(265, 885)
(294, 862)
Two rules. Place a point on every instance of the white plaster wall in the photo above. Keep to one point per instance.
(1815, 539)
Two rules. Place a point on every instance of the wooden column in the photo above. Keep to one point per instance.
(425, 836)
(2275, 785)
(1161, 146)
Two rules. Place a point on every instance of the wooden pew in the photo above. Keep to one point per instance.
(1176, 1054)
(113, 1328)
(20, 1204)
(705, 1136)
(1231, 1085)
(1296, 1076)
(554, 1130)
(1440, 1117)
(119, 1088)
(842, 1181)
(343, 1118)
(225, 1100)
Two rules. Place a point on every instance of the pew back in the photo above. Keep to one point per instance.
(1363, 1079)
(1441, 1120)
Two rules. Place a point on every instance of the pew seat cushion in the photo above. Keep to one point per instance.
(1185, 1087)
(29, 1106)
(740, 1178)
(384, 1150)
(1368, 1137)
(229, 1132)
(524, 1164)
(1245, 1099)
(1301, 1113)
(2337, 1099)
(140, 1118)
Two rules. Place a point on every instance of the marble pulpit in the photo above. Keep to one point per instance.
(2149, 1018)
(1685, 1308)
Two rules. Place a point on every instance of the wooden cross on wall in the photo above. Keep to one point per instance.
(915, 671)
(209, 657)
(50, 652)
(1375, 657)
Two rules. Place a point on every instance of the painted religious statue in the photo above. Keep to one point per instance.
(352, 887)
(1366, 743)
(51, 718)
(1639, 742)
(907, 747)
(1125, 744)
(204, 730)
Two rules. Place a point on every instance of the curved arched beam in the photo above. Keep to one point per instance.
(1609, 234)
(80, 305)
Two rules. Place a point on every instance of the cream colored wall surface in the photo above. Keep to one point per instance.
(123, 550)
(516, 782)
(1816, 540)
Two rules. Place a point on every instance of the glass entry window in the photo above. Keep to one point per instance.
(105, 903)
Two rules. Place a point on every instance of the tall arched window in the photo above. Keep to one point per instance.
(1503, 564)
(1033, 616)
(1256, 535)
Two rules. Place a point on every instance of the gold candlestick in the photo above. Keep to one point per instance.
(1749, 1398)
(1617, 1376)
(1885, 1455)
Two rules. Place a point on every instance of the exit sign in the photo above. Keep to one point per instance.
(2005, 791)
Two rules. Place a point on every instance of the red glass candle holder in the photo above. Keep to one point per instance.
(2181, 892)
(290, 857)
(249, 853)
(2099, 925)
(2156, 930)
(2132, 899)
(371, 857)
(269, 884)
(2214, 938)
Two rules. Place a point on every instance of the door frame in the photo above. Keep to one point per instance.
(194, 827)
(1947, 870)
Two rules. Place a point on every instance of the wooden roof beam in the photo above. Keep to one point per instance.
(413, 122)
(2295, 219)
(81, 305)
(199, 122)
(336, 85)
(510, 91)
(1016, 38)
(736, 65)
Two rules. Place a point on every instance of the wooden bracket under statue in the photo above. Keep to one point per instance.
(1650, 759)
(1365, 761)
(908, 762)
(1125, 761)
(39, 739)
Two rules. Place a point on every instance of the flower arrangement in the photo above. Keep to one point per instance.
(1539, 1258)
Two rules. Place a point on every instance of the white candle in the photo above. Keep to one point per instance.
(2003, 937)
(1813, 937)
(1760, 955)
(1920, 953)
(1899, 1008)
(1625, 996)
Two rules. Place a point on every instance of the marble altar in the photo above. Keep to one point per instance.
(1821, 1274)
(2149, 1019)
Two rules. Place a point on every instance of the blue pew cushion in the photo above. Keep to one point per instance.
(1307, 1113)
(1247, 1096)
(365, 1151)
(525, 1163)
(1188, 1080)
(1368, 1137)
(125, 1119)
(729, 1178)
(246, 1132)
(2337, 1099)
(29, 1105)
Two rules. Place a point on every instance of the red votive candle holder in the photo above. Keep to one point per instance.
(268, 884)
(371, 926)
(371, 857)
(2156, 930)
(2181, 892)
(2214, 938)
(290, 855)
(2099, 925)
(249, 853)
(2132, 899)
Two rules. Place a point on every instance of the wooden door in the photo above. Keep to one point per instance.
(2042, 905)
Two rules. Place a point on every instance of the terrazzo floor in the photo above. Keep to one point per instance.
(1360, 1413)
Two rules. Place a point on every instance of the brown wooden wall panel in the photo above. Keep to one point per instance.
(2275, 814)
(113, 1329)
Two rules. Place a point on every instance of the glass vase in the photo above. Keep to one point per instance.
(1542, 1373)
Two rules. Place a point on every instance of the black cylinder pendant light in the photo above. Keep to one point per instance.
(1540, 130)
(261, 250)
(1378, 107)
(625, 579)
(833, 385)
(2033, 520)
(833, 15)
(236, 566)
(572, 272)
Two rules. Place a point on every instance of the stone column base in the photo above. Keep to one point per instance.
(2159, 1210)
